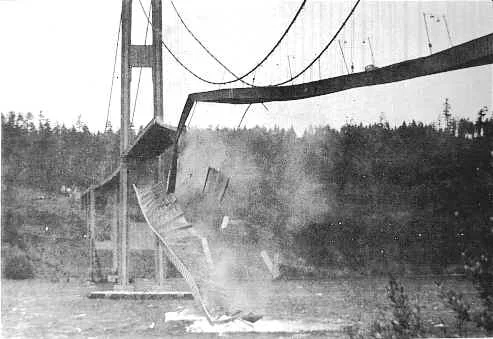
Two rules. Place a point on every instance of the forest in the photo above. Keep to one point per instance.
(368, 198)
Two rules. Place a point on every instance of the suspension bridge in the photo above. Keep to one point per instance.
(157, 138)
(474, 53)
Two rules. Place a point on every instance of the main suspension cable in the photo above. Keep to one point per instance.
(114, 70)
(240, 78)
(278, 84)
(185, 67)
(324, 49)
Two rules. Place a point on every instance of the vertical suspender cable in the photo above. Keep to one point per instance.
(236, 77)
(448, 31)
(343, 57)
(334, 37)
(114, 70)
(352, 45)
(427, 33)
(323, 49)
(191, 115)
(244, 113)
(248, 107)
(371, 52)
(289, 65)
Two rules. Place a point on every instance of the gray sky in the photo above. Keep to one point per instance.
(57, 57)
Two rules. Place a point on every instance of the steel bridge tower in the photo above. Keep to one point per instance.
(137, 56)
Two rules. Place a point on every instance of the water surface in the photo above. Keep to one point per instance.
(40, 309)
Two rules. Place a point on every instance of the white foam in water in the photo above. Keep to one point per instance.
(183, 315)
(261, 326)
(201, 325)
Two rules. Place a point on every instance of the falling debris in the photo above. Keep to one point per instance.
(225, 222)
(215, 184)
(273, 267)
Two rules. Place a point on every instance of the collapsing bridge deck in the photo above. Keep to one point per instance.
(156, 137)
(153, 140)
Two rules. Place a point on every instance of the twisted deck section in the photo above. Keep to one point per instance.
(183, 247)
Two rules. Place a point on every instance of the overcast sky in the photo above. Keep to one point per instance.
(57, 57)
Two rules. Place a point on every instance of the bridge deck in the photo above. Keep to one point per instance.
(152, 141)
(473, 53)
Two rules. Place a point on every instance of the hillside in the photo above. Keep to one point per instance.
(47, 229)
(370, 199)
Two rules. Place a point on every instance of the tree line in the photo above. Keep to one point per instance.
(414, 195)
(38, 154)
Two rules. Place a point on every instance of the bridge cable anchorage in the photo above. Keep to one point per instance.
(274, 85)
(140, 73)
(240, 78)
(114, 70)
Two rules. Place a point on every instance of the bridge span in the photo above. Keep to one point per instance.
(473, 53)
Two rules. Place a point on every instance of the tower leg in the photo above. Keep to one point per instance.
(92, 227)
(124, 223)
(161, 263)
(124, 135)
(114, 233)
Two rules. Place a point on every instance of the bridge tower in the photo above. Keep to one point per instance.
(137, 56)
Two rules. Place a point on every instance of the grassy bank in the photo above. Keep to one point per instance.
(44, 233)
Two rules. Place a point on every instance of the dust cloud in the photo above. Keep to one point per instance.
(263, 207)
